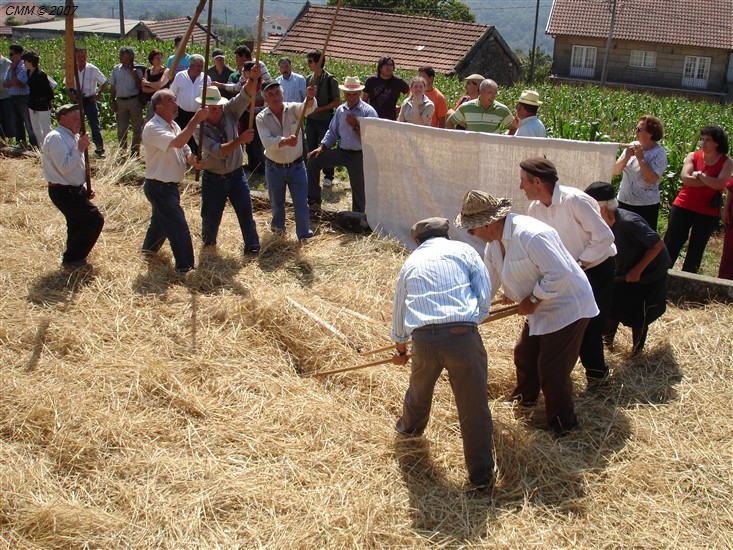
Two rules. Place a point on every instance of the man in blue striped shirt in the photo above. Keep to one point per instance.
(442, 294)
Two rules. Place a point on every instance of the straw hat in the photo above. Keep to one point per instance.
(530, 97)
(351, 84)
(430, 227)
(477, 78)
(480, 208)
(213, 96)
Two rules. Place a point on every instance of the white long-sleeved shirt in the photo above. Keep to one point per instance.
(577, 218)
(188, 90)
(536, 262)
(442, 281)
(272, 132)
(62, 161)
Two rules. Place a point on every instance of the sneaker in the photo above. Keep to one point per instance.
(327, 182)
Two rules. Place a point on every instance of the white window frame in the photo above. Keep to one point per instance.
(696, 71)
(583, 61)
(643, 59)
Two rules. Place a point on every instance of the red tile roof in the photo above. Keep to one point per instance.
(365, 36)
(270, 42)
(704, 23)
(170, 28)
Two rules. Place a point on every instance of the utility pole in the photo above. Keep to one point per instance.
(122, 19)
(534, 43)
(612, 26)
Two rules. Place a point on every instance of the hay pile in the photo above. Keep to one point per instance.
(143, 409)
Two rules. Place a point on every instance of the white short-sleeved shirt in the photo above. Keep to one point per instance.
(163, 162)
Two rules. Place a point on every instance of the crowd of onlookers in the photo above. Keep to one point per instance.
(331, 140)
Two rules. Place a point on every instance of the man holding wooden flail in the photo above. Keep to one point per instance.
(527, 258)
(441, 296)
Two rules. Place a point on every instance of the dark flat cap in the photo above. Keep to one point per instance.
(540, 168)
(66, 109)
(430, 227)
(601, 191)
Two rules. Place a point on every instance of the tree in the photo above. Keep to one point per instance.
(454, 10)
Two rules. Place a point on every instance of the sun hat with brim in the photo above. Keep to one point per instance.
(477, 78)
(351, 84)
(479, 208)
(430, 227)
(213, 96)
(530, 97)
(66, 109)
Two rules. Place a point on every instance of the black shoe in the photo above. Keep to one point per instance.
(75, 264)
(100, 153)
(251, 248)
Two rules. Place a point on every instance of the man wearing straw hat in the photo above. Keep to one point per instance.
(223, 177)
(577, 218)
(284, 164)
(64, 168)
(527, 258)
(344, 128)
(441, 296)
(525, 122)
(166, 157)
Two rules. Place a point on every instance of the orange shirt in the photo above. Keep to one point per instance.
(441, 107)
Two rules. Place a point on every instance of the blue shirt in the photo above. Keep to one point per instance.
(293, 87)
(443, 281)
(183, 64)
(339, 130)
(21, 73)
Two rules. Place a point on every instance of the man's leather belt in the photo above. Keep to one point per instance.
(225, 176)
(118, 98)
(287, 164)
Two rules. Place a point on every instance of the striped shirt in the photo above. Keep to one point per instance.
(577, 218)
(443, 281)
(536, 262)
(477, 119)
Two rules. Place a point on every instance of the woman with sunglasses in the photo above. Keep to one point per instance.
(642, 164)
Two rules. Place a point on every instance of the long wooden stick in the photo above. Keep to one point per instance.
(72, 71)
(346, 369)
(186, 37)
(500, 313)
(319, 69)
(345, 339)
(257, 63)
(203, 89)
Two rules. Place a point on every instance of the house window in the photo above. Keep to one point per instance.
(643, 59)
(583, 61)
(697, 71)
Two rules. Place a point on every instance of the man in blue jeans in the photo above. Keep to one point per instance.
(166, 155)
(284, 163)
(16, 82)
(223, 175)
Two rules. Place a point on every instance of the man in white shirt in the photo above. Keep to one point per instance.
(64, 169)
(166, 157)
(527, 258)
(577, 218)
(525, 122)
(187, 86)
(293, 84)
(90, 77)
(284, 163)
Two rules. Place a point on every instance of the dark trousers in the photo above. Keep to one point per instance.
(315, 130)
(544, 362)
(650, 212)
(168, 221)
(215, 190)
(600, 278)
(458, 348)
(183, 118)
(91, 110)
(84, 222)
(684, 223)
(330, 158)
(6, 119)
(21, 118)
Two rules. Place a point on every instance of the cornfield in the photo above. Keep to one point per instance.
(587, 113)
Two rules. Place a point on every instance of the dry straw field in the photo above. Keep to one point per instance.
(141, 409)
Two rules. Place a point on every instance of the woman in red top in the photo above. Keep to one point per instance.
(695, 212)
(726, 260)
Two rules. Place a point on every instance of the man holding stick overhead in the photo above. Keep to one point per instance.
(442, 294)
(64, 168)
(527, 258)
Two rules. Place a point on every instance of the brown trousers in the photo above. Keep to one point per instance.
(545, 362)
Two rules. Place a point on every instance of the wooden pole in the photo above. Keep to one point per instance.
(346, 369)
(257, 62)
(203, 88)
(72, 79)
(319, 69)
(186, 38)
(345, 339)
